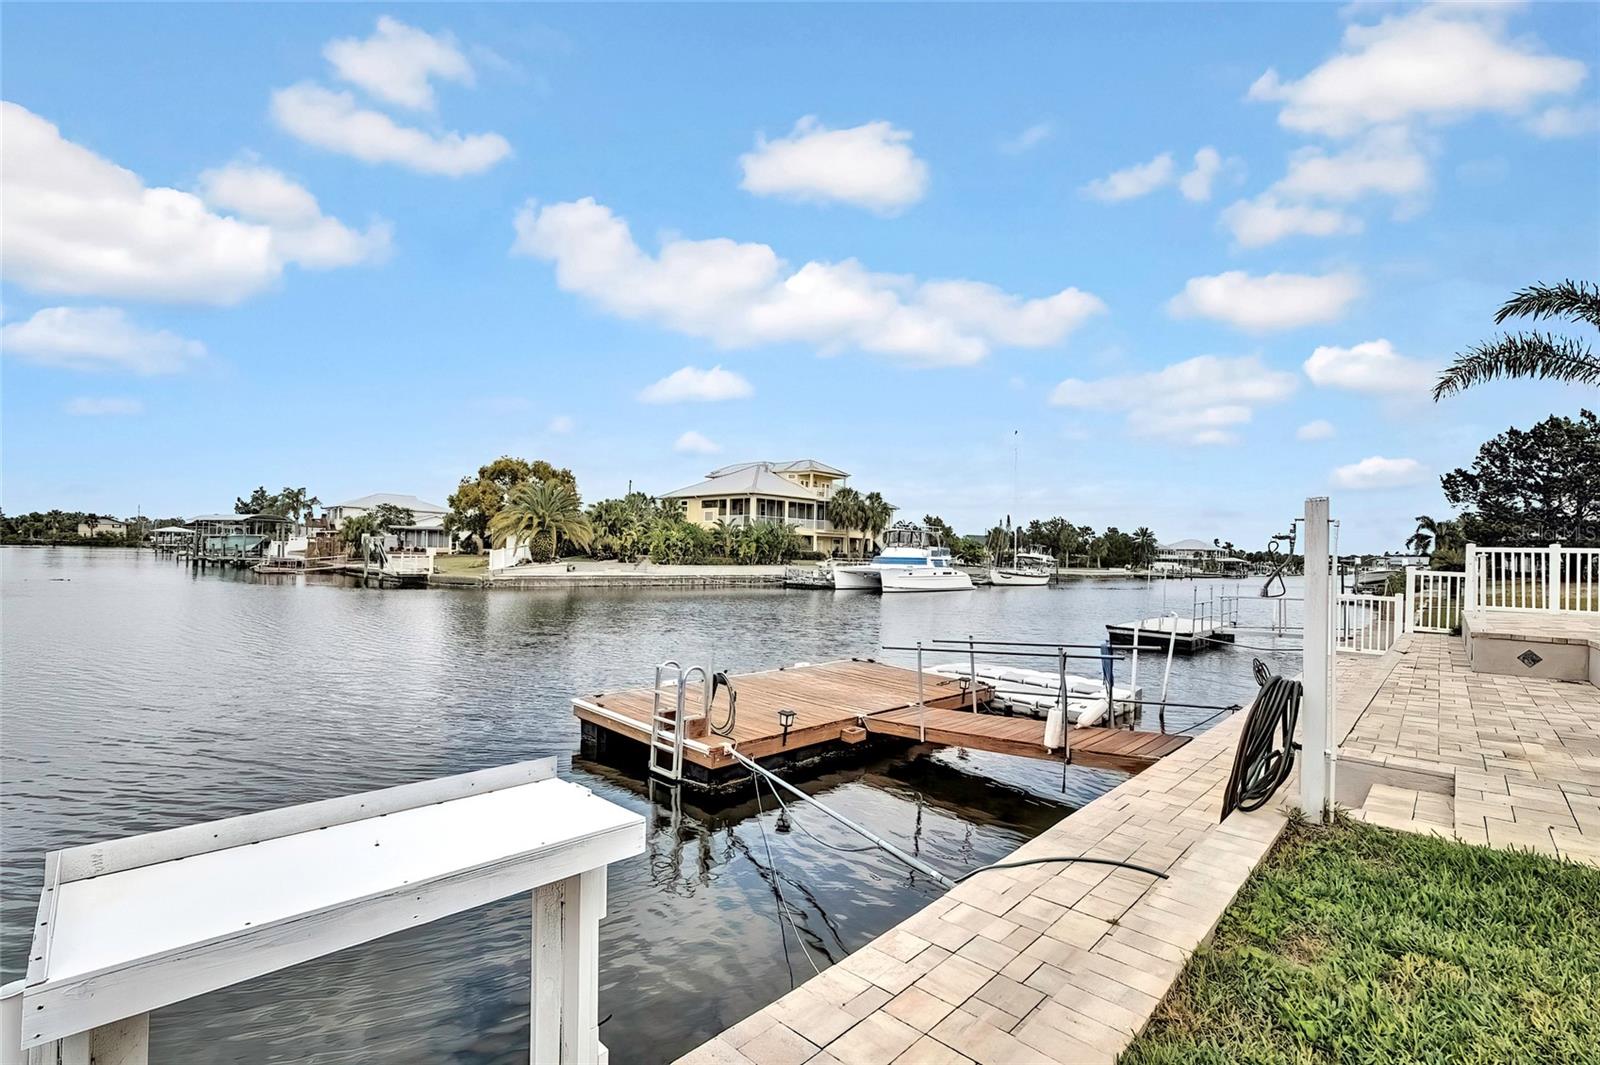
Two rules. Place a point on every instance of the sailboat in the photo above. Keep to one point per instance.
(1028, 569)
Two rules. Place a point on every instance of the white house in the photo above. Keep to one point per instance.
(420, 509)
(424, 533)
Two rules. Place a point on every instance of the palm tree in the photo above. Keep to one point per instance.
(722, 534)
(1445, 541)
(293, 501)
(1532, 354)
(542, 508)
(1421, 541)
(1144, 546)
(876, 514)
(847, 512)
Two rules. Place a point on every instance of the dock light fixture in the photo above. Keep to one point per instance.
(786, 719)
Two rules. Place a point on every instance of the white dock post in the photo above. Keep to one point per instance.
(544, 1012)
(1316, 717)
(581, 909)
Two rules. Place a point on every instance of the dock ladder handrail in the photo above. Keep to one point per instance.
(666, 729)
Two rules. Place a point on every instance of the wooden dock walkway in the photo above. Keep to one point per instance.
(837, 704)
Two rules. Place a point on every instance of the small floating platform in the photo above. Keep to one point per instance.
(840, 705)
(1184, 635)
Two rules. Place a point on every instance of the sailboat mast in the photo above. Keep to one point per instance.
(1016, 528)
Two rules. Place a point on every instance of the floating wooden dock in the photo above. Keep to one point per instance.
(1184, 635)
(838, 705)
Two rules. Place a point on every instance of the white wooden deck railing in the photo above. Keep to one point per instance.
(1368, 624)
(1435, 598)
(1504, 578)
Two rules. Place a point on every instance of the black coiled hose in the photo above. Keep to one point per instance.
(1265, 755)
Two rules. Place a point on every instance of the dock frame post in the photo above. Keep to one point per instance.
(564, 1014)
(1316, 716)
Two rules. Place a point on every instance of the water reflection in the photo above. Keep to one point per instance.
(137, 695)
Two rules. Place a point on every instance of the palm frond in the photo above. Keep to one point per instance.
(1578, 301)
(1520, 355)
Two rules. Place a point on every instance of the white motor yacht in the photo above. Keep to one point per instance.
(908, 562)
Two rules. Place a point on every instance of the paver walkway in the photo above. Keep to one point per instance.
(1518, 758)
(1046, 963)
(1066, 963)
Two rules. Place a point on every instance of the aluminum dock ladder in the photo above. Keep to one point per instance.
(667, 719)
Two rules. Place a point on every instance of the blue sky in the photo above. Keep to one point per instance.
(366, 248)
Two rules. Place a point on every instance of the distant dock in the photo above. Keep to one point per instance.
(1184, 635)
(835, 707)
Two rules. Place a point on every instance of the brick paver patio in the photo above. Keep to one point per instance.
(1519, 757)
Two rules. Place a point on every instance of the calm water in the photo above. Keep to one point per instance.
(136, 696)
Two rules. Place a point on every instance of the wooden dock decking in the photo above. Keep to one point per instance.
(839, 703)
(1097, 746)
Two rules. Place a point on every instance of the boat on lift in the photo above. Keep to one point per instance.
(911, 561)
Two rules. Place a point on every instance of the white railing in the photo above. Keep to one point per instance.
(1368, 624)
(410, 564)
(1578, 577)
(1504, 578)
(1533, 578)
(1435, 599)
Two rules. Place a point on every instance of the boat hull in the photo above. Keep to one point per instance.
(1010, 578)
(856, 579)
(924, 579)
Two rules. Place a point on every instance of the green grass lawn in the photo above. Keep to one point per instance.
(461, 565)
(1358, 944)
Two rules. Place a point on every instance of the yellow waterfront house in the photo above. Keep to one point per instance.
(793, 492)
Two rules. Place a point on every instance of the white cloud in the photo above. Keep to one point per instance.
(395, 63)
(301, 233)
(1029, 138)
(1554, 122)
(1267, 303)
(1385, 162)
(870, 166)
(1132, 182)
(97, 406)
(1370, 367)
(1379, 472)
(333, 121)
(692, 385)
(1320, 429)
(1199, 401)
(1196, 184)
(1266, 220)
(1440, 63)
(743, 295)
(97, 338)
(78, 224)
(561, 424)
(692, 443)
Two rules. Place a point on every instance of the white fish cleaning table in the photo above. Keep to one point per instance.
(130, 926)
